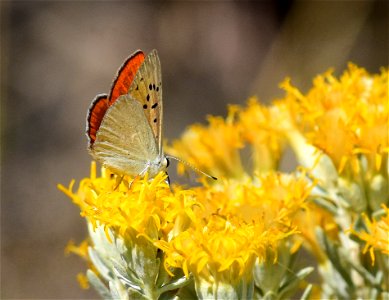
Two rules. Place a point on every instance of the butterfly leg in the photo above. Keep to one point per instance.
(141, 174)
(167, 179)
(137, 177)
(119, 180)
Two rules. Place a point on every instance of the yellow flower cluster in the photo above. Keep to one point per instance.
(235, 223)
(376, 235)
(148, 207)
(345, 117)
(339, 130)
(214, 231)
(217, 148)
(221, 232)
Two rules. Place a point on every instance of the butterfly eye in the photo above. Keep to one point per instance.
(167, 162)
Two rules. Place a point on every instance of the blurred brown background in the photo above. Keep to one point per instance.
(56, 56)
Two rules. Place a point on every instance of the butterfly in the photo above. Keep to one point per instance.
(124, 128)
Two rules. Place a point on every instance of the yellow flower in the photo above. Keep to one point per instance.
(213, 149)
(142, 205)
(308, 221)
(345, 117)
(216, 233)
(83, 280)
(235, 224)
(219, 249)
(376, 235)
(260, 127)
(218, 148)
(124, 220)
(80, 250)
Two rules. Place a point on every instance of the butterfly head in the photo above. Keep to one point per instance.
(158, 165)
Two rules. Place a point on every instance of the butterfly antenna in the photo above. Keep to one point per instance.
(191, 166)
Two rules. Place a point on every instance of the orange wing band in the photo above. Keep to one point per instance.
(126, 75)
(95, 115)
(120, 86)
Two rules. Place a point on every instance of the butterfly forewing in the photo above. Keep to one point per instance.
(125, 142)
(126, 75)
(147, 89)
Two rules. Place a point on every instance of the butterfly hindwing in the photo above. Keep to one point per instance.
(95, 115)
(125, 141)
(147, 89)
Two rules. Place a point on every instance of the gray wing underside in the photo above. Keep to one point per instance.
(147, 89)
(125, 141)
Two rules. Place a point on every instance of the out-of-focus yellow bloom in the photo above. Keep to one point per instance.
(83, 281)
(376, 235)
(213, 149)
(80, 250)
(308, 221)
(217, 148)
(345, 117)
(260, 127)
